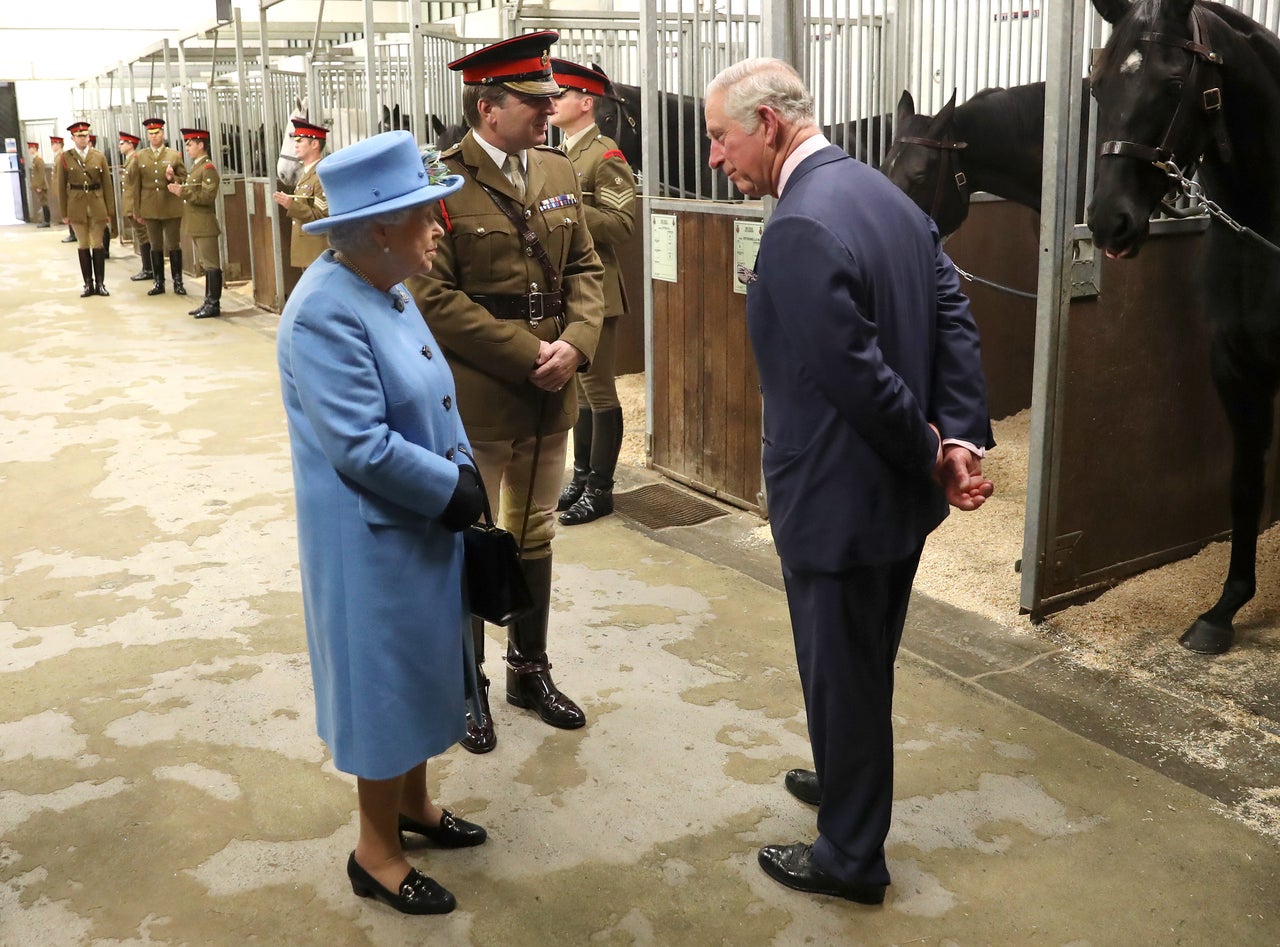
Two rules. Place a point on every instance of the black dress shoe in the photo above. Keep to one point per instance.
(452, 832)
(480, 736)
(529, 686)
(594, 503)
(792, 865)
(418, 894)
(803, 784)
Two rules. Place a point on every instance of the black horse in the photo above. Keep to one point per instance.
(1179, 83)
(994, 142)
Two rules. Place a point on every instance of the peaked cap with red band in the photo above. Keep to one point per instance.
(194, 134)
(33, 144)
(55, 140)
(590, 81)
(131, 139)
(151, 123)
(303, 129)
(76, 127)
(521, 64)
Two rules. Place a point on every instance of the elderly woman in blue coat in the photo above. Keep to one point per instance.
(384, 486)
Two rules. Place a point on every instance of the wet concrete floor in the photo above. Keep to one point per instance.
(161, 781)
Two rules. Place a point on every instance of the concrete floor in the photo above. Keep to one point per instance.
(161, 781)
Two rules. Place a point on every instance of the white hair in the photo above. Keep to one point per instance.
(355, 235)
(748, 84)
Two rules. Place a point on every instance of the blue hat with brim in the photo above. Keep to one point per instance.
(376, 176)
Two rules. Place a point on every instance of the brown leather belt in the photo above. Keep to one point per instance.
(534, 307)
(86, 187)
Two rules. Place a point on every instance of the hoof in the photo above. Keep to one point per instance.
(1204, 638)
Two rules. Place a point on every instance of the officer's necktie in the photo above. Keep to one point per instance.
(514, 174)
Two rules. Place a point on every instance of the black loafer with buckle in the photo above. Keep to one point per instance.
(418, 894)
(452, 832)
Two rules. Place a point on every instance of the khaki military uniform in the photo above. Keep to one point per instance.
(481, 254)
(609, 195)
(151, 198)
(85, 194)
(128, 192)
(200, 212)
(38, 175)
(309, 203)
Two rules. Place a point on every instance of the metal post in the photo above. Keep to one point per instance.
(272, 134)
(242, 116)
(649, 66)
(1063, 96)
(417, 106)
(370, 67)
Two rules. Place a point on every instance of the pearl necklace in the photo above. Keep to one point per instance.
(398, 300)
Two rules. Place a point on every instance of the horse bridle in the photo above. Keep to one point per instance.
(947, 167)
(1203, 60)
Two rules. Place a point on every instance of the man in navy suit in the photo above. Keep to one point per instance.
(875, 417)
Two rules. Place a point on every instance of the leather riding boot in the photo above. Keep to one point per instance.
(529, 683)
(480, 737)
(99, 265)
(157, 271)
(86, 270)
(44, 211)
(146, 273)
(106, 243)
(71, 235)
(597, 495)
(175, 271)
(212, 296)
(581, 461)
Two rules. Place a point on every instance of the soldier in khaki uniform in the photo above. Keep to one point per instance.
(307, 202)
(106, 231)
(199, 193)
(82, 182)
(514, 339)
(55, 143)
(609, 195)
(154, 205)
(38, 175)
(128, 187)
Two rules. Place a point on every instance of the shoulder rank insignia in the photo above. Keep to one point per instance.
(560, 200)
(613, 153)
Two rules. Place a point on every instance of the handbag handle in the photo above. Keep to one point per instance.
(488, 513)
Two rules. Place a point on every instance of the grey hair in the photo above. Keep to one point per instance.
(472, 96)
(355, 235)
(748, 84)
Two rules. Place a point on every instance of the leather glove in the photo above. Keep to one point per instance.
(467, 502)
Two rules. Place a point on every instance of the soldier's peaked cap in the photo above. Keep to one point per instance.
(33, 144)
(194, 134)
(55, 139)
(303, 129)
(569, 75)
(131, 139)
(521, 64)
(76, 127)
(150, 123)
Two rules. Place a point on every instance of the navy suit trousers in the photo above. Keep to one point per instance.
(847, 627)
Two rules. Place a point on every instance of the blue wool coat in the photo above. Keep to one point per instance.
(375, 439)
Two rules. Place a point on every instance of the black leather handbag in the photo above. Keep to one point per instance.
(496, 585)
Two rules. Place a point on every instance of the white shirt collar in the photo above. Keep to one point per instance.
(806, 148)
(571, 142)
(499, 156)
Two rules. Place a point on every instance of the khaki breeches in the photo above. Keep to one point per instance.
(89, 234)
(164, 234)
(505, 467)
(207, 251)
(597, 386)
(39, 201)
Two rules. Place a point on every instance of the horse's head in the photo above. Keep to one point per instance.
(618, 117)
(446, 136)
(1157, 101)
(925, 163)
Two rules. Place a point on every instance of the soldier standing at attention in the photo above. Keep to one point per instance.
(154, 205)
(56, 144)
(128, 147)
(82, 181)
(307, 202)
(608, 197)
(199, 195)
(106, 231)
(515, 299)
(39, 178)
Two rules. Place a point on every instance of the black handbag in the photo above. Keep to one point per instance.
(496, 586)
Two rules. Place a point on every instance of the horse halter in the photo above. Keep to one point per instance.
(1203, 60)
(947, 168)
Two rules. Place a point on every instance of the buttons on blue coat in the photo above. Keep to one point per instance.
(447, 402)
(426, 350)
(448, 455)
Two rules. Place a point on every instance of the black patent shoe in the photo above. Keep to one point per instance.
(418, 894)
(803, 784)
(452, 832)
(529, 685)
(793, 866)
(570, 494)
(101, 290)
(594, 503)
(88, 291)
(179, 289)
(480, 737)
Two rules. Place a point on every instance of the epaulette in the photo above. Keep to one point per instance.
(554, 150)
(452, 151)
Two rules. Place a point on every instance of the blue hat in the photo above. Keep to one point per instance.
(376, 176)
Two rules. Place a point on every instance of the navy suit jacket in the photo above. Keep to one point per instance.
(862, 337)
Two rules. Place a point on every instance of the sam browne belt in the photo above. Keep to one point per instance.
(85, 187)
(534, 307)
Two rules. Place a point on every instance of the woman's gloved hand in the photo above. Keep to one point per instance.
(467, 502)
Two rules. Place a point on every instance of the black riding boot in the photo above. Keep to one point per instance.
(581, 461)
(86, 270)
(157, 271)
(106, 243)
(529, 683)
(597, 496)
(71, 235)
(146, 272)
(480, 737)
(175, 271)
(99, 265)
(45, 213)
(212, 296)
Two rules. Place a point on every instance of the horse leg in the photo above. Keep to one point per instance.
(1248, 403)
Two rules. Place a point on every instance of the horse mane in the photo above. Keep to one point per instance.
(1004, 115)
